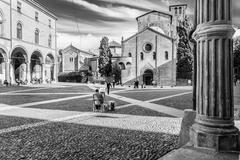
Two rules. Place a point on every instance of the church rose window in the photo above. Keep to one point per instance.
(148, 47)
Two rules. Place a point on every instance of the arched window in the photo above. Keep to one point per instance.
(50, 41)
(37, 36)
(122, 66)
(129, 54)
(19, 31)
(1, 24)
(180, 10)
(142, 56)
(176, 10)
(166, 55)
(154, 56)
(128, 65)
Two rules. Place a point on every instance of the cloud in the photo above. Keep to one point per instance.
(88, 20)
(144, 4)
(116, 12)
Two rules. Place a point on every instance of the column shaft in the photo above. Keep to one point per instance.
(28, 72)
(214, 125)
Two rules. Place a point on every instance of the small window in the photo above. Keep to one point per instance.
(19, 7)
(176, 10)
(129, 54)
(71, 59)
(142, 56)
(50, 41)
(180, 10)
(49, 23)
(122, 66)
(37, 36)
(36, 16)
(154, 56)
(19, 31)
(166, 55)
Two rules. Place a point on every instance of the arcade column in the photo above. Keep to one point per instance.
(28, 72)
(214, 125)
(43, 73)
(7, 75)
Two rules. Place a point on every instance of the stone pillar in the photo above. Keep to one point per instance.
(7, 70)
(214, 125)
(43, 73)
(28, 72)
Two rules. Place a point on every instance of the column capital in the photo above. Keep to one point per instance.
(222, 30)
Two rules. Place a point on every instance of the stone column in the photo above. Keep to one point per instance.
(43, 73)
(214, 125)
(28, 70)
(7, 70)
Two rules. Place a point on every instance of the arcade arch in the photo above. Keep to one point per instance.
(49, 67)
(36, 66)
(19, 62)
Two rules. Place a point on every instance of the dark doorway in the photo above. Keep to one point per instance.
(148, 77)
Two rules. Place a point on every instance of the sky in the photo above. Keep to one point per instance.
(84, 22)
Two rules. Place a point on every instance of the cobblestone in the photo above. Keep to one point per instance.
(73, 141)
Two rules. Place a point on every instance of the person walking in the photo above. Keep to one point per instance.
(108, 87)
(137, 84)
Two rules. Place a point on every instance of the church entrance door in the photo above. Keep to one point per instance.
(148, 77)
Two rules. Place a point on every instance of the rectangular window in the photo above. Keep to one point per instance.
(19, 7)
(50, 41)
(36, 16)
(71, 59)
(49, 23)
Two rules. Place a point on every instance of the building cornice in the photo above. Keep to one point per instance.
(41, 8)
(5, 2)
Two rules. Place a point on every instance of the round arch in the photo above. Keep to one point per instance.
(148, 77)
(2, 65)
(122, 65)
(49, 67)
(128, 65)
(36, 69)
(3, 53)
(19, 60)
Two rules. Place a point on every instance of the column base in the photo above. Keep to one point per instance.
(222, 140)
(191, 153)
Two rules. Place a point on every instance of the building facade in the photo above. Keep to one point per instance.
(149, 56)
(27, 41)
(73, 59)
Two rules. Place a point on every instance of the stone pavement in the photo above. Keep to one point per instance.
(154, 124)
(160, 108)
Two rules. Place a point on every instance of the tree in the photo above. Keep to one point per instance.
(236, 55)
(105, 61)
(184, 51)
(116, 71)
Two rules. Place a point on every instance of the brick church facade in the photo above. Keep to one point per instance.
(149, 56)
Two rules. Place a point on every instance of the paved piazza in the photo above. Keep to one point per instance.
(56, 122)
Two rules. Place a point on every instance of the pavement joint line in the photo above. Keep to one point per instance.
(167, 97)
(24, 90)
(155, 107)
(76, 93)
(51, 101)
(31, 125)
(168, 90)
